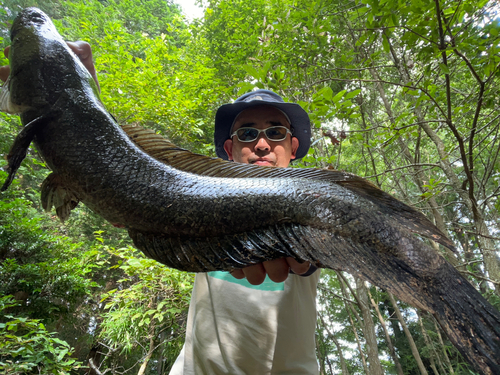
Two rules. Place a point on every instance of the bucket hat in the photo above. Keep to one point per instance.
(227, 113)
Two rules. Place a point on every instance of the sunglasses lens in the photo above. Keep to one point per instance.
(276, 133)
(247, 134)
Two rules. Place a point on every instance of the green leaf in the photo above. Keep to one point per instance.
(134, 262)
(448, 11)
(362, 39)
(413, 92)
(324, 93)
(136, 316)
(444, 68)
(62, 353)
(252, 71)
(385, 44)
(338, 96)
(352, 94)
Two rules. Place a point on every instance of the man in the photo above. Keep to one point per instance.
(261, 325)
(257, 325)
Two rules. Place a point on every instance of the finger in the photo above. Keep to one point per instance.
(277, 269)
(255, 274)
(84, 52)
(238, 274)
(296, 267)
(6, 51)
(81, 48)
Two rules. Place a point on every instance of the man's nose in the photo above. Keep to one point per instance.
(262, 143)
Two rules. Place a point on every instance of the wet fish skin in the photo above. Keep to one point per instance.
(199, 222)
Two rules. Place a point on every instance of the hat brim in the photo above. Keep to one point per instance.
(227, 113)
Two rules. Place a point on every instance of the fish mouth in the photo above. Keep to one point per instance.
(36, 16)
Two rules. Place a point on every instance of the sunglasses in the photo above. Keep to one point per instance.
(274, 133)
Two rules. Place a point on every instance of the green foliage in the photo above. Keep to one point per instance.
(151, 17)
(144, 73)
(39, 267)
(147, 304)
(26, 347)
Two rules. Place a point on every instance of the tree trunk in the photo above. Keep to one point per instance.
(428, 343)
(332, 337)
(161, 359)
(413, 347)
(445, 354)
(151, 349)
(369, 329)
(343, 364)
(394, 355)
(350, 310)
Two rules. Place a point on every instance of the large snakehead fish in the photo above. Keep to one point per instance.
(197, 213)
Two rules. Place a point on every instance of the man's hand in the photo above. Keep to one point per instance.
(81, 49)
(277, 270)
(84, 53)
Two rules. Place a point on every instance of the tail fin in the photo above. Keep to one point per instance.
(470, 322)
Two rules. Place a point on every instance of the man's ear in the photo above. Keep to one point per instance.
(228, 147)
(295, 147)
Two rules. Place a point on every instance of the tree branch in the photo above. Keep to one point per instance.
(480, 277)
(405, 166)
(483, 235)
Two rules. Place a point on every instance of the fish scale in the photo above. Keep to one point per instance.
(198, 213)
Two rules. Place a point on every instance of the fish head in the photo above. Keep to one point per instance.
(42, 66)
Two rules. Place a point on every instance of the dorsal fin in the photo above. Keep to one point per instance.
(168, 153)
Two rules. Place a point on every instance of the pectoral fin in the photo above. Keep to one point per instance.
(20, 147)
(55, 194)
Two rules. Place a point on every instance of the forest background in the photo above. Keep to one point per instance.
(404, 93)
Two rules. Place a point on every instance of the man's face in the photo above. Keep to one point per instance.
(262, 151)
